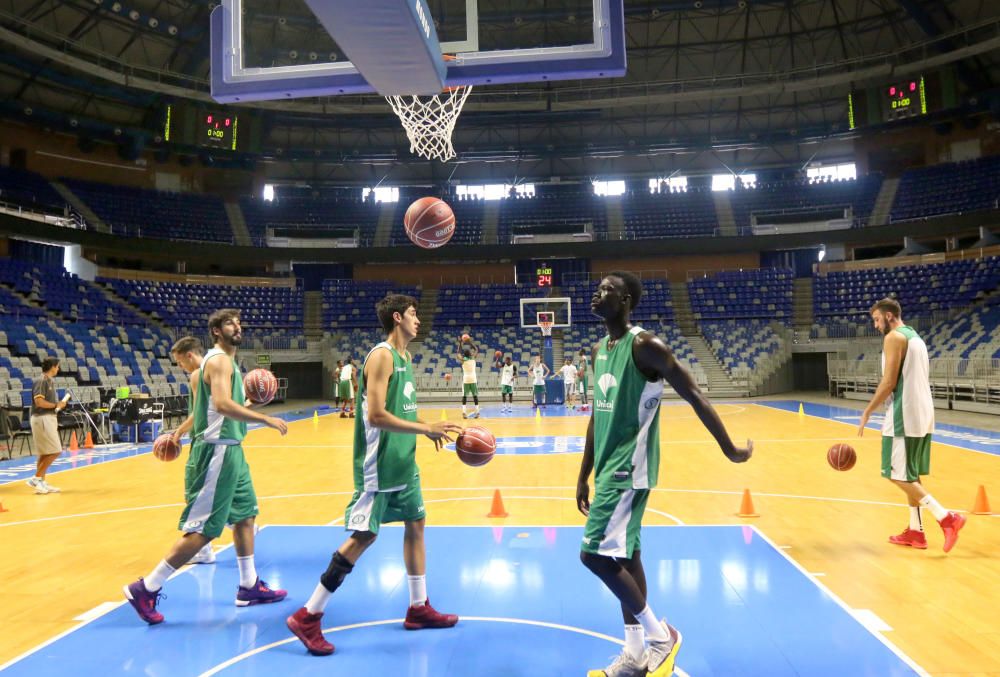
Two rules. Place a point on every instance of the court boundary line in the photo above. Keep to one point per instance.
(719, 492)
(912, 664)
(370, 624)
(111, 606)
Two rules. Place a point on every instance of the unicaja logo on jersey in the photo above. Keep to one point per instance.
(605, 383)
(408, 392)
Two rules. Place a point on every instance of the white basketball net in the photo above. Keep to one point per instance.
(546, 328)
(430, 120)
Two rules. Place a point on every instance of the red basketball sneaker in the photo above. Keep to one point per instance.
(951, 525)
(308, 628)
(910, 537)
(420, 617)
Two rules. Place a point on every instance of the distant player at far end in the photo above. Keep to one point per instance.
(908, 424)
(623, 451)
(467, 353)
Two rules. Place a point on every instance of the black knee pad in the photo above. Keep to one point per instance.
(464, 399)
(475, 400)
(336, 572)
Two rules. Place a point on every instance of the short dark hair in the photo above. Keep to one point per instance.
(632, 285)
(219, 318)
(888, 305)
(391, 304)
(187, 344)
(49, 362)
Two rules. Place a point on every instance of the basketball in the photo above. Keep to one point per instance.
(260, 386)
(466, 338)
(447, 377)
(475, 446)
(498, 354)
(429, 222)
(841, 457)
(165, 449)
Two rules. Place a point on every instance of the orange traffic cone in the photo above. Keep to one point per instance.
(746, 506)
(3, 509)
(497, 510)
(88, 443)
(982, 506)
(73, 444)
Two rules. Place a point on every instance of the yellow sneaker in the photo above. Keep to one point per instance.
(662, 656)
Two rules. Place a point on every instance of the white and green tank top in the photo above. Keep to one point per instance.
(386, 461)
(209, 424)
(626, 418)
(909, 410)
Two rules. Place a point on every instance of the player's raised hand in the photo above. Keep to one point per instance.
(740, 454)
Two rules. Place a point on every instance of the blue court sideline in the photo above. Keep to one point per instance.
(973, 439)
(529, 608)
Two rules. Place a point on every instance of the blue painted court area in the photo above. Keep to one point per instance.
(24, 467)
(528, 606)
(973, 439)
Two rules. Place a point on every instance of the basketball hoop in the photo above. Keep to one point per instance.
(546, 328)
(430, 120)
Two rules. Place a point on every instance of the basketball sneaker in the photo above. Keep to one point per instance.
(951, 525)
(204, 556)
(426, 616)
(910, 537)
(49, 489)
(258, 593)
(38, 484)
(661, 656)
(623, 666)
(309, 629)
(144, 602)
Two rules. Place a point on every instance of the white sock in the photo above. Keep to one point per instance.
(651, 624)
(158, 576)
(915, 523)
(418, 590)
(319, 598)
(939, 512)
(248, 571)
(464, 409)
(635, 641)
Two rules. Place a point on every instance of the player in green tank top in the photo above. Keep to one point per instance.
(623, 450)
(217, 484)
(386, 477)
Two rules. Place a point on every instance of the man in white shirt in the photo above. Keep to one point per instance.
(569, 383)
(539, 371)
(348, 384)
(508, 372)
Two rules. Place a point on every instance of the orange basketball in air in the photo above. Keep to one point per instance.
(475, 446)
(429, 222)
(841, 457)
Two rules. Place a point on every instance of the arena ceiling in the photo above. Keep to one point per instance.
(746, 81)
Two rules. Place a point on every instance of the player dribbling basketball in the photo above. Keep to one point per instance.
(386, 477)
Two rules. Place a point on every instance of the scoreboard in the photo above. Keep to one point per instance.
(901, 99)
(210, 127)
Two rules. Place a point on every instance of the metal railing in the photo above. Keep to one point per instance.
(952, 379)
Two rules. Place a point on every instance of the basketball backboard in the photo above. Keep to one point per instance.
(556, 309)
(262, 49)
